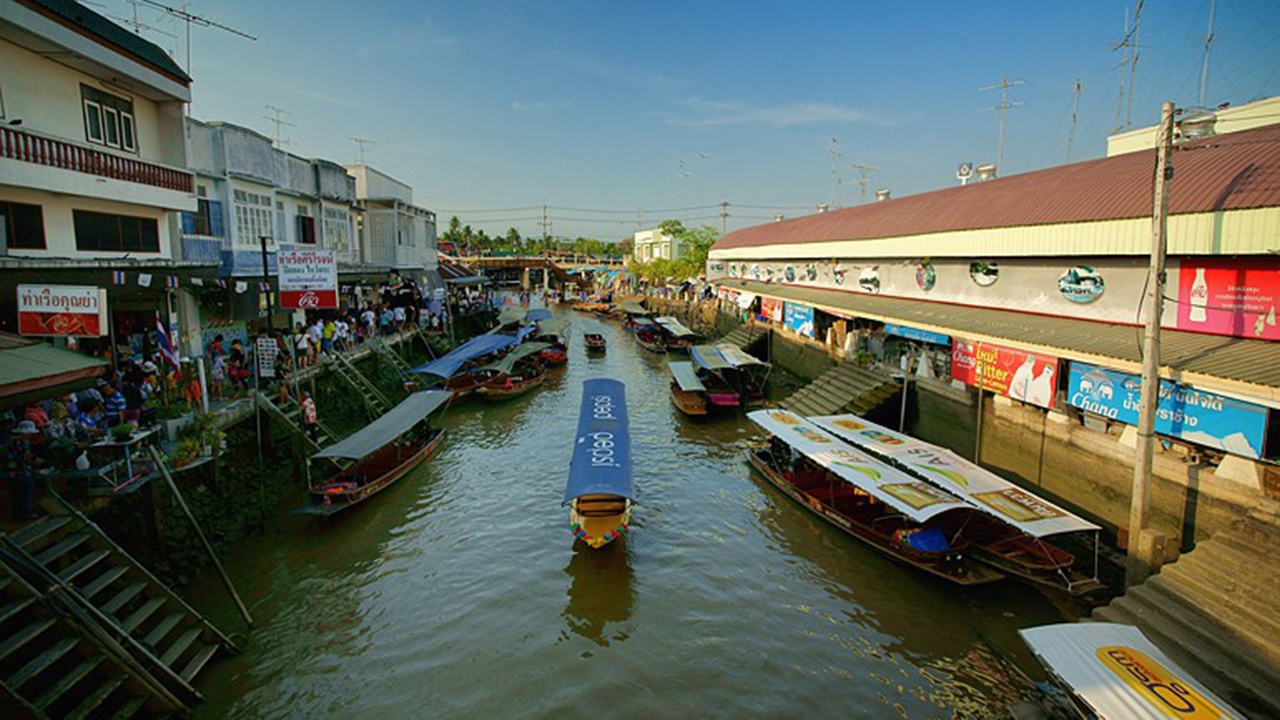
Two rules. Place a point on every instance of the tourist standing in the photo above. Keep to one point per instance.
(113, 403)
(310, 424)
(18, 460)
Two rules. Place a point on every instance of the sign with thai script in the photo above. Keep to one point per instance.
(1229, 296)
(771, 309)
(69, 310)
(1020, 375)
(917, 334)
(308, 279)
(800, 318)
(266, 350)
(1183, 412)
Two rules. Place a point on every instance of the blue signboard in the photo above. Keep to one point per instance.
(1193, 415)
(799, 318)
(917, 334)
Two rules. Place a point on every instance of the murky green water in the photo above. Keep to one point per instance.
(459, 594)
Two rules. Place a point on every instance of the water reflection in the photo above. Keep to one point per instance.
(601, 593)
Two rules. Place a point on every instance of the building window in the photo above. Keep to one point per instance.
(253, 217)
(306, 230)
(337, 229)
(108, 120)
(102, 232)
(206, 220)
(22, 226)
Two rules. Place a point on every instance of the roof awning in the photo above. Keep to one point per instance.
(674, 326)
(507, 362)
(35, 370)
(478, 346)
(393, 424)
(685, 376)
(1247, 369)
(631, 307)
(709, 357)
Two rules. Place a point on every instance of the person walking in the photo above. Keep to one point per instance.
(310, 424)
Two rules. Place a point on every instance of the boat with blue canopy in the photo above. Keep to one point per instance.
(469, 355)
(379, 454)
(516, 373)
(600, 492)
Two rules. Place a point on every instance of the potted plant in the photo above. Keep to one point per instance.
(206, 432)
(186, 452)
(123, 431)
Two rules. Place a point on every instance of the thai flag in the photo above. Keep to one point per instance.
(117, 277)
(264, 287)
(166, 347)
(171, 281)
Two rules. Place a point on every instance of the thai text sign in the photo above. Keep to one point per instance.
(800, 318)
(771, 309)
(1229, 297)
(1020, 375)
(916, 334)
(308, 279)
(1183, 412)
(79, 310)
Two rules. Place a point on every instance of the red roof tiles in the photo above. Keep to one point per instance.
(1226, 172)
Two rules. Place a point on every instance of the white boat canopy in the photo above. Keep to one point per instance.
(674, 326)
(685, 377)
(738, 357)
(390, 426)
(974, 484)
(1120, 674)
(914, 498)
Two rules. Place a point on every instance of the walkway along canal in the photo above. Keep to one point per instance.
(458, 592)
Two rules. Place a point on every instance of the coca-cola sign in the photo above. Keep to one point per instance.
(308, 279)
(1229, 296)
(70, 310)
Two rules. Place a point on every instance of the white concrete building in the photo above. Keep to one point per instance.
(649, 245)
(395, 233)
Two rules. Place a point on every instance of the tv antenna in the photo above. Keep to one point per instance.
(863, 169)
(1075, 107)
(1129, 46)
(362, 143)
(278, 121)
(837, 182)
(1208, 44)
(1004, 106)
(192, 19)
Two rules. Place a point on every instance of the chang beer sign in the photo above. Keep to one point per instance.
(308, 279)
(1199, 417)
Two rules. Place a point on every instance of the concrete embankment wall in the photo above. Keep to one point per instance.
(1087, 469)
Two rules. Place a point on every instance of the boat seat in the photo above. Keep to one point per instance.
(601, 505)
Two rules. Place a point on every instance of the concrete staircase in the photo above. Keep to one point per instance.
(1216, 612)
(844, 388)
(744, 336)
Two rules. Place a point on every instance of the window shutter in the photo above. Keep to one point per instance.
(188, 223)
(216, 227)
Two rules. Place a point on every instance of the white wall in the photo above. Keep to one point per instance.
(59, 224)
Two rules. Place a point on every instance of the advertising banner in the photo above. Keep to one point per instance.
(1013, 373)
(771, 309)
(308, 279)
(1183, 412)
(69, 310)
(800, 318)
(916, 334)
(1229, 296)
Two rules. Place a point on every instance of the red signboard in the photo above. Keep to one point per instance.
(308, 279)
(308, 299)
(1020, 375)
(771, 309)
(72, 310)
(1229, 297)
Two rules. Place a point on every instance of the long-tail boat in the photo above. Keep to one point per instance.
(459, 370)
(380, 453)
(901, 516)
(688, 393)
(600, 492)
(1011, 532)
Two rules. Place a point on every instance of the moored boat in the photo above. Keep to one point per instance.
(688, 393)
(675, 337)
(518, 372)
(732, 376)
(459, 369)
(594, 342)
(599, 491)
(1011, 532)
(646, 333)
(381, 453)
(890, 511)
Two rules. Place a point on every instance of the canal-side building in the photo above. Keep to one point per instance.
(650, 245)
(1033, 285)
(395, 233)
(92, 173)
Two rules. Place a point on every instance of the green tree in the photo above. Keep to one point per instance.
(695, 243)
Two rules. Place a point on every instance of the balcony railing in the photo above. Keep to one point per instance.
(16, 144)
(201, 248)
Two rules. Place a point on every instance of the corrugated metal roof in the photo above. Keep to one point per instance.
(1255, 362)
(79, 16)
(24, 362)
(1226, 172)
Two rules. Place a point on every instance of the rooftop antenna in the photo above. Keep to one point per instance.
(837, 183)
(863, 169)
(277, 121)
(1004, 106)
(190, 19)
(137, 25)
(1208, 44)
(1075, 107)
(362, 142)
(1129, 44)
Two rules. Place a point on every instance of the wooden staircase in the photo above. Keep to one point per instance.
(1216, 612)
(375, 402)
(289, 414)
(103, 637)
(844, 388)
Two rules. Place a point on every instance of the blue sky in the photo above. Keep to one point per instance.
(491, 109)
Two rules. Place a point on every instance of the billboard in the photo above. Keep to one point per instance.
(68, 310)
(800, 318)
(1183, 412)
(1017, 374)
(1229, 296)
(771, 309)
(308, 279)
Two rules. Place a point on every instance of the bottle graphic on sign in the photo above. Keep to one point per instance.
(1199, 297)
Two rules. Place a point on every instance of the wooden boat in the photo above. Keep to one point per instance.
(731, 375)
(552, 331)
(676, 338)
(687, 392)
(460, 370)
(599, 492)
(886, 509)
(594, 342)
(511, 386)
(648, 338)
(518, 372)
(1010, 531)
(381, 453)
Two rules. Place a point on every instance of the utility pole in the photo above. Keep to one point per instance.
(1142, 547)
(724, 216)
(837, 183)
(863, 169)
(277, 121)
(545, 224)
(1075, 108)
(1208, 43)
(361, 143)
(1004, 106)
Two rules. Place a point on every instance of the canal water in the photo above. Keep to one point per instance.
(458, 593)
